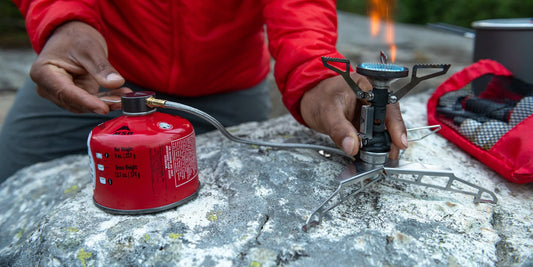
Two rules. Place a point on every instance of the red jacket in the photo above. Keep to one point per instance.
(194, 48)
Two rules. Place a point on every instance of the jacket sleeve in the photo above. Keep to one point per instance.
(300, 32)
(44, 16)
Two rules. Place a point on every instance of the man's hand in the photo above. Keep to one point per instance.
(332, 108)
(72, 66)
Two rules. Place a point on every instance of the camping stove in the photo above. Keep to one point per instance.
(372, 163)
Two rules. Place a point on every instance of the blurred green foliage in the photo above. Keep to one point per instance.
(456, 12)
(12, 29)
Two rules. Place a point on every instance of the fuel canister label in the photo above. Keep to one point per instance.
(175, 162)
(125, 165)
(180, 160)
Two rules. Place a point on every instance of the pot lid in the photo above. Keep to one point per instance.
(504, 24)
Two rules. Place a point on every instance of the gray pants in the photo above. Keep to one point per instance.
(36, 130)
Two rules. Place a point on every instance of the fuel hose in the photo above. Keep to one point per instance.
(154, 102)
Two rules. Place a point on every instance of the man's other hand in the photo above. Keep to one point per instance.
(333, 109)
(71, 68)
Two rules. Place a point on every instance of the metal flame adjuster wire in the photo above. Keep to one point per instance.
(432, 129)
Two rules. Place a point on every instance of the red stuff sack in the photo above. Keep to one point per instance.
(487, 112)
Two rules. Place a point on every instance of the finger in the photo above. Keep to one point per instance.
(361, 81)
(343, 134)
(394, 152)
(330, 108)
(101, 70)
(396, 126)
(91, 54)
(56, 85)
(336, 121)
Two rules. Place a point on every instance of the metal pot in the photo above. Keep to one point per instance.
(508, 41)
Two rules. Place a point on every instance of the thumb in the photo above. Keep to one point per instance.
(104, 73)
(112, 80)
(91, 53)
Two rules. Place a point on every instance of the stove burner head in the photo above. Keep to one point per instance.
(382, 71)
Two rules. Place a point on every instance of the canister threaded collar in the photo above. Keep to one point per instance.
(135, 103)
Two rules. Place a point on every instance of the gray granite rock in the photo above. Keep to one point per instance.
(253, 202)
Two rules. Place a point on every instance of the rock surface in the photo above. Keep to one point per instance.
(252, 205)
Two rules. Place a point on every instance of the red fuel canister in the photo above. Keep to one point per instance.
(143, 161)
